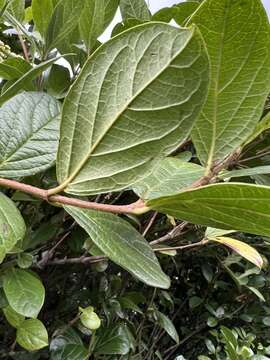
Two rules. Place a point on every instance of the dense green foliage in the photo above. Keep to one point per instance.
(134, 174)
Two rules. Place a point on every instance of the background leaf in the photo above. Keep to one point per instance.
(13, 68)
(24, 291)
(12, 226)
(242, 207)
(112, 341)
(32, 335)
(113, 121)
(167, 325)
(42, 12)
(134, 9)
(236, 34)
(122, 244)
(31, 120)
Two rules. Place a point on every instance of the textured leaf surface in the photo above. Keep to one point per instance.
(13, 68)
(169, 176)
(12, 226)
(112, 341)
(42, 11)
(24, 291)
(32, 335)
(262, 126)
(134, 9)
(64, 20)
(122, 244)
(29, 132)
(22, 82)
(71, 352)
(243, 249)
(237, 35)
(242, 207)
(116, 118)
(258, 170)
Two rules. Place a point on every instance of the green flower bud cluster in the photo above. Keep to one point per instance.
(89, 318)
(5, 51)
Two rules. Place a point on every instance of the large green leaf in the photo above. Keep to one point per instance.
(16, 9)
(169, 176)
(12, 226)
(180, 12)
(116, 118)
(24, 291)
(92, 22)
(112, 341)
(32, 335)
(23, 81)
(31, 120)
(42, 11)
(122, 244)
(64, 20)
(71, 352)
(242, 207)
(134, 9)
(13, 68)
(237, 35)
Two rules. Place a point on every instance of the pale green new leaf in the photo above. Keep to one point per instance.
(31, 120)
(116, 119)
(134, 9)
(12, 226)
(122, 244)
(23, 81)
(237, 36)
(32, 335)
(13, 68)
(24, 291)
(242, 207)
(243, 249)
(42, 12)
(64, 20)
(92, 21)
(169, 176)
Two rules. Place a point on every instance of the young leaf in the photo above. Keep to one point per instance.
(134, 9)
(112, 341)
(237, 36)
(26, 79)
(167, 325)
(92, 22)
(243, 249)
(31, 120)
(114, 119)
(242, 207)
(122, 244)
(42, 12)
(24, 291)
(12, 226)
(13, 317)
(16, 9)
(169, 176)
(64, 20)
(13, 68)
(32, 335)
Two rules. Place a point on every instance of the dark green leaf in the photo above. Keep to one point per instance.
(58, 81)
(122, 244)
(167, 325)
(134, 9)
(112, 341)
(13, 68)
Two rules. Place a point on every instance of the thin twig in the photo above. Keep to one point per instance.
(83, 260)
(150, 223)
(24, 48)
(184, 247)
(175, 232)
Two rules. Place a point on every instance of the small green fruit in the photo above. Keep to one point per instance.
(89, 318)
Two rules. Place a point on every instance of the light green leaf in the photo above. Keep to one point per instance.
(24, 260)
(12, 226)
(167, 325)
(169, 176)
(112, 341)
(13, 317)
(237, 36)
(24, 291)
(180, 12)
(242, 207)
(13, 68)
(243, 249)
(122, 244)
(92, 22)
(64, 20)
(31, 120)
(114, 119)
(257, 293)
(212, 232)
(134, 9)
(23, 81)
(32, 335)
(258, 170)
(262, 126)
(16, 9)
(42, 12)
